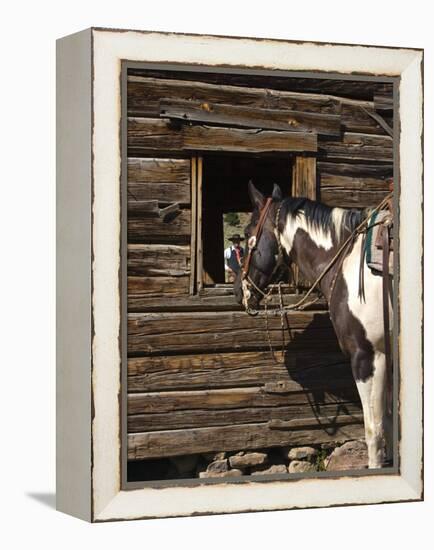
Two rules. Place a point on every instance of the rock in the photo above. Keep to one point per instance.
(185, 464)
(247, 460)
(352, 455)
(218, 466)
(210, 457)
(302, 453)
(300, 466)
(267, 470)
(228, 473)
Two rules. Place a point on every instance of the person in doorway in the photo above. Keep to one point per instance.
(233, 257)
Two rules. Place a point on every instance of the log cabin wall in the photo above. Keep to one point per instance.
(201, 376)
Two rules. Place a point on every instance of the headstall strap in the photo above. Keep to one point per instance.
(256, 235)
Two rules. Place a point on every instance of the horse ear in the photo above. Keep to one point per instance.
(277, 193)
(256, 196)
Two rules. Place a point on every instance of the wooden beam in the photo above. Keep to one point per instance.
(233, 398)
(383, 102)
(357, 147)
(229, 369)
(159, 170)
(160, 230)
(144, 95)
(193, 236)
(364, 170)
(162, 287)
(153, 260)
(199, 231)
(241, 436)
(152, 333)
(150, 135)
(304, 177)
(250, 117)
(164, 193)
(199, 418)
(352, 198)
(202, 302)
(352, 192)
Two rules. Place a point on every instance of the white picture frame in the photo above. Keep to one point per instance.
(89, 416)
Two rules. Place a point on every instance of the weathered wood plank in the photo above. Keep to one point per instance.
(174, 229)
(354, 89)
(144, 95)
(150, 135)
(342, 183)
(150, 333)
(164, 193)
(304, 177)
(223, 370)
(159, 170)
(356, 170)
(242, 436)
(158, 286)
(151, 209)
(202, 302)
(352, 198)
(356, 119)
(249, 397)
(383, 102)
(199, 418)
(358, 147)
(250, 117)
(154, 260)
(144, 98)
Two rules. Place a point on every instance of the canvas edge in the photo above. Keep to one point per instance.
(73, 274)
(111, 504)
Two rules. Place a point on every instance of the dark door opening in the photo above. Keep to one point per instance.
(226, 204)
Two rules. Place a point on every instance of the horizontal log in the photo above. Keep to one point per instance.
(164, 193)
(223, 370)
(341, 183)
(250, 117)
(149, 135)
(151, 333)
(352, 198)
(174, 229)
(200, 418)
(144, 95)
(241, 436)
(159, 170)
(149, 209)
(203, 302)
(383, 102)
(158, 286)
(154, 260)
(327, 390)
(344, 88)
(358, 147)
(356, 170)
(356, 119)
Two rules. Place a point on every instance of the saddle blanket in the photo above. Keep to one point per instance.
(374, 239)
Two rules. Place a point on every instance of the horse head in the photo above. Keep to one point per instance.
(262, 256)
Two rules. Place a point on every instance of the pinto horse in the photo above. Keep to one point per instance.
(310, 234)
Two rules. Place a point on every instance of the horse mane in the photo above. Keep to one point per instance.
(325, 218)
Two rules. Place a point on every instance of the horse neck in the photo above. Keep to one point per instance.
(312, 252)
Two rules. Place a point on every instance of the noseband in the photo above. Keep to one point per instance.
(252, 243)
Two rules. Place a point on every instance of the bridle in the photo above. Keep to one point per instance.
(246, 281)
